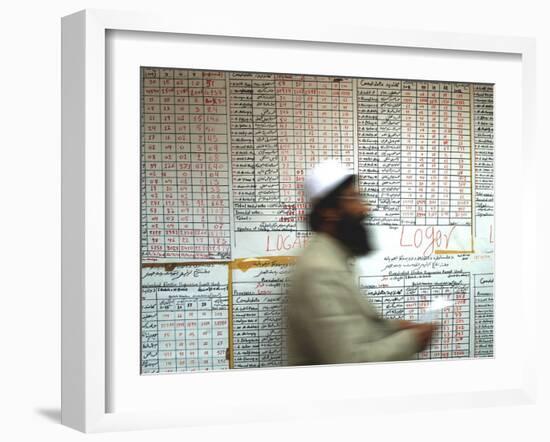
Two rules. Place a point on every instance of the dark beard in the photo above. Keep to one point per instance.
(354, 235)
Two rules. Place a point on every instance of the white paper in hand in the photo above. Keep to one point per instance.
(434, 309)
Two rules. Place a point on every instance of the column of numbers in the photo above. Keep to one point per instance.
(299, 116)
(432, 157)
(421, 153)
(444, 160)
(460, 156)
(183, 163)
(286, 144)
(169, 163)
(198, 163)
(216, 164)
(166, 330)
(408, 152)
(152, 166)
(342, 122)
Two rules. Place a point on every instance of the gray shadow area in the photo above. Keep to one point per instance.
(51, 414)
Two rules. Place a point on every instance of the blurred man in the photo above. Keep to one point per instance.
(329, 321)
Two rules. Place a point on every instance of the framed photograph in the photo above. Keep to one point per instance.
(180, 225)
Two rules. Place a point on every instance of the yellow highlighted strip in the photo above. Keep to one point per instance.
(244, 264)
(453, 252)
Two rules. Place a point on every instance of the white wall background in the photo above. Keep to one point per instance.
(30, 216)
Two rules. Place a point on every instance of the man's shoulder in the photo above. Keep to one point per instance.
(323, 252)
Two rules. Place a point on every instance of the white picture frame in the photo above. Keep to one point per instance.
(86, 233)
